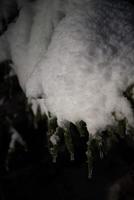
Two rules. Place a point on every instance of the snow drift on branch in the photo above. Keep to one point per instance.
(78, 56)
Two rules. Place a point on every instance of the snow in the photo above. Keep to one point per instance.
(77, 56)
(54, 139)
(15, 137)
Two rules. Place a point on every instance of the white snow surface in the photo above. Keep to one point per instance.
(78, 56)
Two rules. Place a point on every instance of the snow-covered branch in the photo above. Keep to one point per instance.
(77, 56)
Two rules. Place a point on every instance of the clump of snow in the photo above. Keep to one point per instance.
(54, 139)
(36, 103)
(15, 137)
(78, 56)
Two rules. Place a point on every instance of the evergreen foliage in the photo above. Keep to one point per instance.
(42, 133)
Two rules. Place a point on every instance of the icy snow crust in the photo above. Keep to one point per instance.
(78, 56)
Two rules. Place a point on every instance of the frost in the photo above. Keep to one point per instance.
(77, 56)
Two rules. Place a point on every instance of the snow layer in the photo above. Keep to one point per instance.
(78, 55)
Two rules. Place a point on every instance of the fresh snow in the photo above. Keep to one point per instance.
(75, 58)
